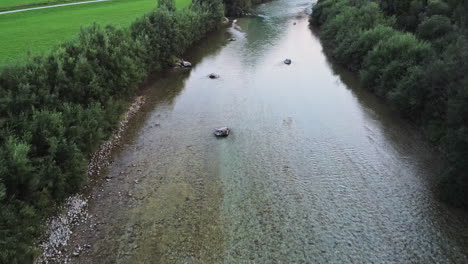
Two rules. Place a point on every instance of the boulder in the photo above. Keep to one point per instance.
(213, 76)
(287, 61)
(222, 131)
(185, 64)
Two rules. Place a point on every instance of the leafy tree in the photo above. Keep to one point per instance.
(389, 60)
(167, 4)
(434, 27)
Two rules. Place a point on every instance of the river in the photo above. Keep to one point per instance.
(316, 169)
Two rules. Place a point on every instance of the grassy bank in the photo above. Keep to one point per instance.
(37, 31)
(413, 54)
(57, 108)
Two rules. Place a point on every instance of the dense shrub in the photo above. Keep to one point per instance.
(434, 27)
(240, 7)
(421, 71)
(56, 109)
(391, 60)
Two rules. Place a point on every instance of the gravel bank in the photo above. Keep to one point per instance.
(74, 210)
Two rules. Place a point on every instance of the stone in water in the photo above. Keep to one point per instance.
(185, 64)
(213, 76)
(222, 132)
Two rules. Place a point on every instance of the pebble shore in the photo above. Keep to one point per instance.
(74, 210)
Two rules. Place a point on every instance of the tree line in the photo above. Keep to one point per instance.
(240, 7)
(412, 53)
(56, 109)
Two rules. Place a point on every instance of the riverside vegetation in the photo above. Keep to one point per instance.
(413, 54)
(56, 109)
(240, 7)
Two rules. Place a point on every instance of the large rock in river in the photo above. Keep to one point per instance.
(222, 132)
(213, 76)
(185, 64)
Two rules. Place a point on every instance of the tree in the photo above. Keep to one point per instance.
(434, 27)
(167, 4)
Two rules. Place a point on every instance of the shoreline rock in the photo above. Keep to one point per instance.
(59, 229)
(100, 159)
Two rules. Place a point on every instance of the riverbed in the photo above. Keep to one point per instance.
(316, 170)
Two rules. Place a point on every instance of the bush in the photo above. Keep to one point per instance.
(388, 62)
(240, 7)
(353, 53)
(434, 27)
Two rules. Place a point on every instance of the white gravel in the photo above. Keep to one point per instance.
(74, 210)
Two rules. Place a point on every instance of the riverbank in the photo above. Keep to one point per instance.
(74, 211)
(415, 66)
(74, 98)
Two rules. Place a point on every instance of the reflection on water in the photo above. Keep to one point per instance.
(316, 169)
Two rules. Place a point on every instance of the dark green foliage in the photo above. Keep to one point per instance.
(434, 27)
(167, 4)
(56, 109)
(437, 7)
(391, 60)
(421, 71)
(240, 7)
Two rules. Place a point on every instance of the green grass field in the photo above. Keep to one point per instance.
(38, 31)
(8, 3)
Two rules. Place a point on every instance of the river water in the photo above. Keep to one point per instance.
(316, 170)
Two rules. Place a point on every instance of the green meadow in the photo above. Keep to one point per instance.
(11, 4)
(38, 31)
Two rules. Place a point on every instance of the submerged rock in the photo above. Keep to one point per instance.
(213, 76)
(287, 61)
(222, 131)
(232, 39)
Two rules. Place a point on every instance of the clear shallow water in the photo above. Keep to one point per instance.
(316, 170)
